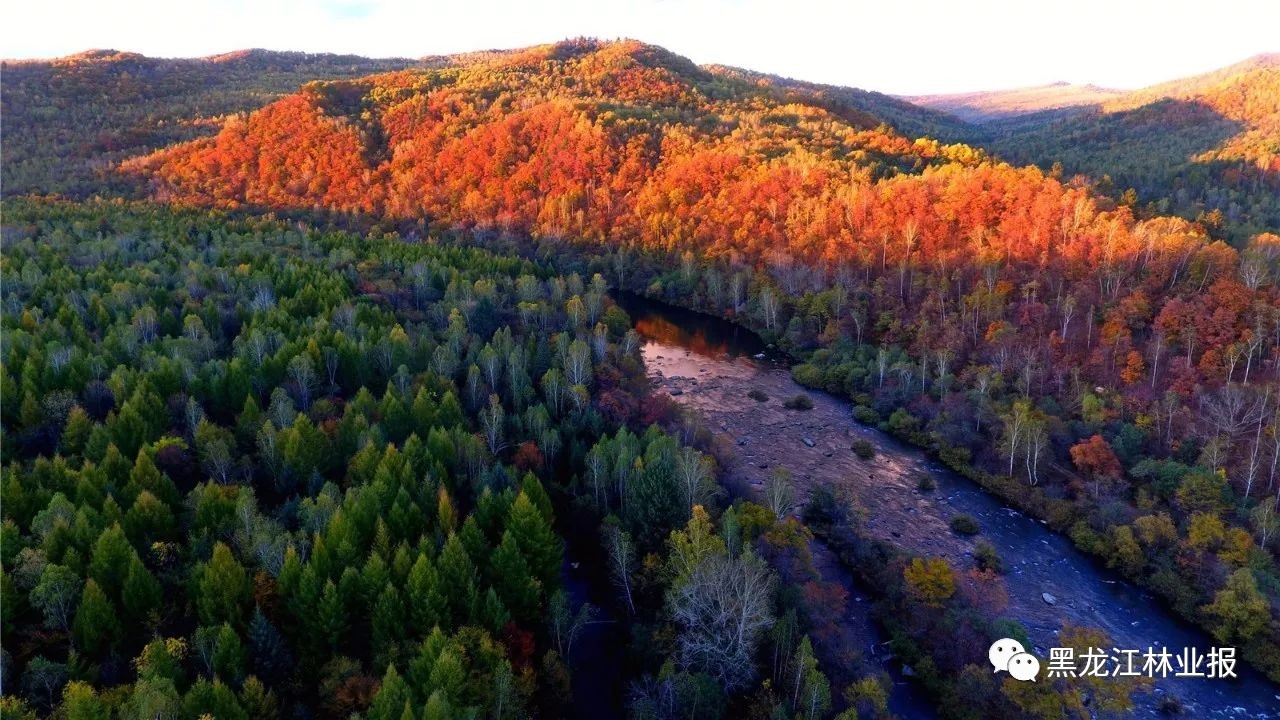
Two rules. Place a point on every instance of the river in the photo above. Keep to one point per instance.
(709, 365)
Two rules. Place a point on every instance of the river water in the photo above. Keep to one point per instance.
(709, 365)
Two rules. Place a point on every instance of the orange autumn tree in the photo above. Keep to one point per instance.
(1097, 461)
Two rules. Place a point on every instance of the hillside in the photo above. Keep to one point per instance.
(993, 105)
(66, 121)
(1192, 146)
(583, 139)
(908, 118)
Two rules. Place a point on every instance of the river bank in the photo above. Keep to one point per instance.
(711, 366)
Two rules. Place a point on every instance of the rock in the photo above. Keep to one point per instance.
(764, 465)
(676, 391)
(907, 671)
(807, 441)
(1049, 598)
(742, 442)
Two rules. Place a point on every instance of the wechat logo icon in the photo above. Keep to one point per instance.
(1008, 655)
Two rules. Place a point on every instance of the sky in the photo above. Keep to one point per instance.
(900, 47)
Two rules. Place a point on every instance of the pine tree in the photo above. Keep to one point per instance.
(532, 487)
(331, 615)
(392, 695)
(492, 614)
(536, 540)
(458, 580)
(75, 434)
(128, 430)
(272, 660)
(513, 581)
(212, 698)
(437, 707)
(141, 593)
(222, 588)
(387, 624)
(258, 701)
(148, 520)
(146, 476)
(427, 605)
(228, 654)
(115, 468)
(96, 626)
(112, 555)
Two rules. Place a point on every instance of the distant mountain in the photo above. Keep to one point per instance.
(1206, 146)
(910, 119)
(67, 120)
(992, 105)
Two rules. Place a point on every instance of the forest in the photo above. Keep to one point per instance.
(322, 420)
(68, 122)
(1111, 371)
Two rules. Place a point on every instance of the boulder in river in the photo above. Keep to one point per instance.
(1049, 598)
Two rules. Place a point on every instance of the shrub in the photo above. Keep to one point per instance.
(986, 557)
(799, 402)
(757, 395)
(864, 449)
(903, 423)
(965, 524)
(925, 483)
(807, 375)
(865, 415)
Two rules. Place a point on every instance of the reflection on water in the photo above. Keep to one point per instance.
(702, 334)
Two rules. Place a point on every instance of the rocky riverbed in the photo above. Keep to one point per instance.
(1048, 581)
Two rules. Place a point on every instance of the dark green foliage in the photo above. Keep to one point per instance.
(965, 525)
(277, 458)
